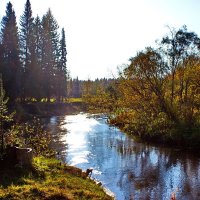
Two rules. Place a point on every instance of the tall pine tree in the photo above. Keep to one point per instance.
(10, 53)
(27, 46)
(62, 69)
(1, 57)
(36, 69)
(50, 54)
(38, 39)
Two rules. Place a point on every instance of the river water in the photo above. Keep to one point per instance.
(129, 169)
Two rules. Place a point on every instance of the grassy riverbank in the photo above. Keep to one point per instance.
(161, 132)
(48, 179)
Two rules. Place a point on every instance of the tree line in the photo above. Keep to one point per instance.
(84, 88)
(33, 57)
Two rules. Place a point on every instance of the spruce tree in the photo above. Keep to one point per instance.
(10, 52)
(27, 45)
(76, 90)
(63, 52)
(38, 39)
(62, 69)
(1, 57)
(37, 67)
(50, 53)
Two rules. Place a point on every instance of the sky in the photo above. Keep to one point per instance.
(101, 35)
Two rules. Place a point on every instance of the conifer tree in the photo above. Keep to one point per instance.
(38, 39)
(50, 53)
(37, 67)
(63, 52)
(10, 53)
(76, 88)
(1, 57)
(27, 47)
(62, 69)
(33, 63)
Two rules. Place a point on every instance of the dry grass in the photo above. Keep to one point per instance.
(48, 180)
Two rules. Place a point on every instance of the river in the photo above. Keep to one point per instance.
(129, 169)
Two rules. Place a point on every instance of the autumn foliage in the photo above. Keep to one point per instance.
(157, 96)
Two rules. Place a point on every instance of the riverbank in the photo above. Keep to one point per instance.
(48, 179)
(167, 135)
(45, 109)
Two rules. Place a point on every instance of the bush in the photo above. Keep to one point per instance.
(32, 135)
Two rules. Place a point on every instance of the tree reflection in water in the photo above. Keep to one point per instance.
(130, 169)
(158, 171)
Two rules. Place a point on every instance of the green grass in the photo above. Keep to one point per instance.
(72, 100)
(48, 179)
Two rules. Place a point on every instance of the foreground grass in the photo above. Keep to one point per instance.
(48, 179)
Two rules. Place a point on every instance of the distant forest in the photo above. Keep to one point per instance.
(81, 88)
(33, 56)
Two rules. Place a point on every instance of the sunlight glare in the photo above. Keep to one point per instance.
(78, 127)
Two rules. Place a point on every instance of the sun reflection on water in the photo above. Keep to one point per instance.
(76, 138)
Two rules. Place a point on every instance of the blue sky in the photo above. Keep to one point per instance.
(103, 34)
